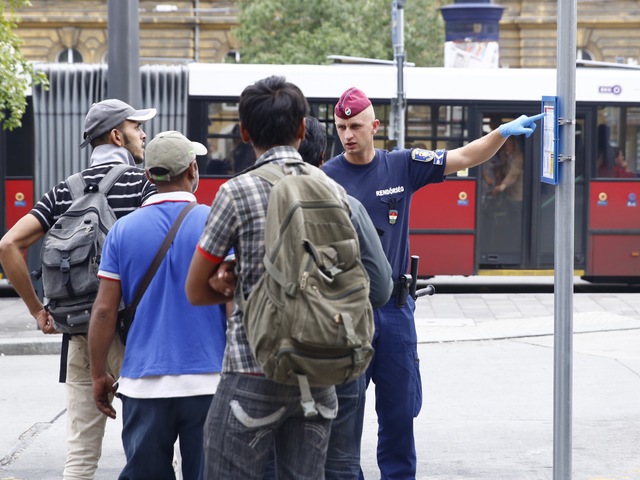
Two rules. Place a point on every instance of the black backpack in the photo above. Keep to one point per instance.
(71, 252)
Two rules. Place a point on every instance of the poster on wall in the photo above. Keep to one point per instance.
(471, 54)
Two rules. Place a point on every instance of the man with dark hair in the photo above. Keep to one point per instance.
(114, 130)
(250, 413)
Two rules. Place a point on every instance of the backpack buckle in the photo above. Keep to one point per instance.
(306, 399)
(309, 408)
(64, 264)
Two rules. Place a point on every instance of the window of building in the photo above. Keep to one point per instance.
(69, 55)
(584, 54)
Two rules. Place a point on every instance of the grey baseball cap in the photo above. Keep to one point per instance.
(108, 114)
(171, 151)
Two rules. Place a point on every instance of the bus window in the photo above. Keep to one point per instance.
(618, 138)
(632, 140)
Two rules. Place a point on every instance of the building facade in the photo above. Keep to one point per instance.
(172, 32)
(199, 30)
(608, 31)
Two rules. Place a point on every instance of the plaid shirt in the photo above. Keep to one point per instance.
(237, 219)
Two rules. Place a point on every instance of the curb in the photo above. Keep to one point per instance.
(31, 347)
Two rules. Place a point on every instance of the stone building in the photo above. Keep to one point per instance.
(608, 31)
(199, 30)
(171, 32)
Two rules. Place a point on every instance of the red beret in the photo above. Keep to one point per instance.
(351, 103)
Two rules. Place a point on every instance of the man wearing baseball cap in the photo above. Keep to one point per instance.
(114, 130)
(384, 182)
(174, 349)
(105, 116)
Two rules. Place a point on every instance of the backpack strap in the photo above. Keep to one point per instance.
(306, 399)
(112, 177)
(77, 184)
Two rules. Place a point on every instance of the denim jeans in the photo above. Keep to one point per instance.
(343, 455)
(252, 415)
(395, 371)
(150, 427)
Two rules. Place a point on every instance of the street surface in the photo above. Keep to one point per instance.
(487, 362)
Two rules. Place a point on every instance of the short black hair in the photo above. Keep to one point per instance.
(271, 111)
(314, 143)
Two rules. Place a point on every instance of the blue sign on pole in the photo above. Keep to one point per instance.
(549, 150)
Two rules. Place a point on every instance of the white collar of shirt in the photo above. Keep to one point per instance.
(170, 197)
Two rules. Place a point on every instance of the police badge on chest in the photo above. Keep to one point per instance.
(393, 216)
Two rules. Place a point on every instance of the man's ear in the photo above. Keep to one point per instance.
(376, 125)
(146, 172)
(193, 169)
(116, 138)
(244, 134)
(302, 130)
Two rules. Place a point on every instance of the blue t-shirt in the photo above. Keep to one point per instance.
(385, 187)
(169, 336)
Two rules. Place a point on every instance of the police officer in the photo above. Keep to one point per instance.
(384, 182)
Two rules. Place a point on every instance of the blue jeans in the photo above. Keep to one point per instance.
(150, 428)
(252, 415)
(343, 456)
(395, 371)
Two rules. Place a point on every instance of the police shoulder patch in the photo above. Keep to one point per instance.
(421, 155)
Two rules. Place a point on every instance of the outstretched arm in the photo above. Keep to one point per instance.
(483, 148)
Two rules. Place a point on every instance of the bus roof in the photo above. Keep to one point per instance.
(379, 82)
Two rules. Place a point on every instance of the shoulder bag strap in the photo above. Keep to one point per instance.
(157, 260)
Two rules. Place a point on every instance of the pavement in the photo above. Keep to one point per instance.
(487, 365)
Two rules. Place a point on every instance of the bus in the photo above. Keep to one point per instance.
(465, 225)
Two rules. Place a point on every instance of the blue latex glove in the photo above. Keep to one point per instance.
(521, 125)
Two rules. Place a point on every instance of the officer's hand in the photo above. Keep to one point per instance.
(522, 125)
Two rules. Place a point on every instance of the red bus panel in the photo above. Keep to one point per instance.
(615, 255)
(614, 205)
(442, 228)
(614, 229)
(443, 254)
(18, 199)
(447, 205)
(208, 188)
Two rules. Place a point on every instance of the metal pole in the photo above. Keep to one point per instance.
(123, 77)
(564, 241)
(399, 56)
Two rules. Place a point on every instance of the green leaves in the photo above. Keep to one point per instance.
(303, 31)
(16, 73)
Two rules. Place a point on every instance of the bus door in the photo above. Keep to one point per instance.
(544, 201)
(516, 211)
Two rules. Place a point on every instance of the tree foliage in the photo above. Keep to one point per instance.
(16, 73)
(303, 31)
